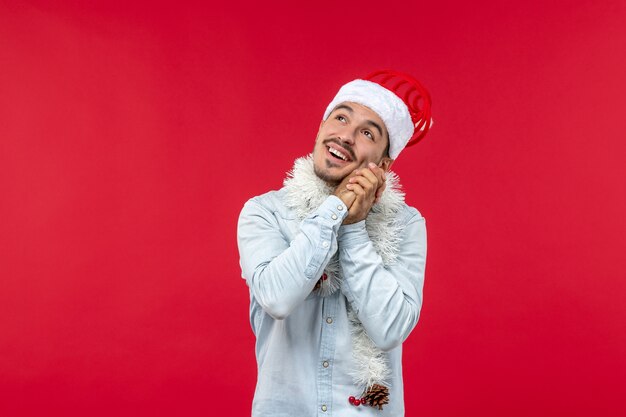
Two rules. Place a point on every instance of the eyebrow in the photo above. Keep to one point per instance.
(344, 106)
(369, 122)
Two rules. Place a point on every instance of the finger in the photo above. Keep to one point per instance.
(356, 189)
(378, 171)
(379, 193)
(381, 189)
(371, 176)
(342, 186)
(347, 197)
(359, 179)
(363, 174)
(355, 174)
(350, 199)
(365, 183)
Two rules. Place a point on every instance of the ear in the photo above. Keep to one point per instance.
(385, 163)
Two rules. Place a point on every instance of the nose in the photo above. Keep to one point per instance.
(346, 136)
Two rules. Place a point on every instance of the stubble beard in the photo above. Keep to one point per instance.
(331, 180)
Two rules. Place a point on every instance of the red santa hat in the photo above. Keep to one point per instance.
(400, 101)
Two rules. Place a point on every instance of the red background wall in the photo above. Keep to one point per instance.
(131, 136)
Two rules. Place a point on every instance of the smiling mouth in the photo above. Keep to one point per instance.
(337, 154)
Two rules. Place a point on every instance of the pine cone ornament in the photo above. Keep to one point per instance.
(376, 395)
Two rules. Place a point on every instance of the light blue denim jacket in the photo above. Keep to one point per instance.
(303, 340)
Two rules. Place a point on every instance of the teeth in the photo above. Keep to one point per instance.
(337, 153)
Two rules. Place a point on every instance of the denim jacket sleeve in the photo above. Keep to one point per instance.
(280, 273)
(387, 299)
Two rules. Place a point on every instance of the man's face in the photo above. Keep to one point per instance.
(351, 137)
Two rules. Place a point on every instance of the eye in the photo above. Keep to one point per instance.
(368, 134)
(340, 118)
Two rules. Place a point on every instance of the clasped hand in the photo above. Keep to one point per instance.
(360, 190)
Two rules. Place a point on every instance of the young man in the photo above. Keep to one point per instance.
(335, 260)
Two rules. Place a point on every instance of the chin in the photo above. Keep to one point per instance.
(329, 178)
